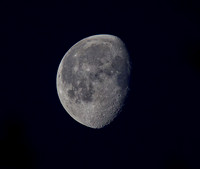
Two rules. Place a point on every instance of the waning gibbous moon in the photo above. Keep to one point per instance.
(93, 80)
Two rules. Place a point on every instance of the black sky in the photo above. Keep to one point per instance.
(159, 126)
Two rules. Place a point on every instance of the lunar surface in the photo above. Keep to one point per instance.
(93, 80)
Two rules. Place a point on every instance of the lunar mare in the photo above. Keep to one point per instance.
(92, 80)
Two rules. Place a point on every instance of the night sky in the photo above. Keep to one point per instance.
(159, 126)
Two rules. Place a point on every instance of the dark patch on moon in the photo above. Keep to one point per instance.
(86, 94)
(71, 93)
(92, 57)
(87, 63)
(96, 76)
(67, 73)
(119, 64)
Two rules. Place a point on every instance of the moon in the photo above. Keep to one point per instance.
(93, 80)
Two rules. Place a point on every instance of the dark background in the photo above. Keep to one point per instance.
(159, 127)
